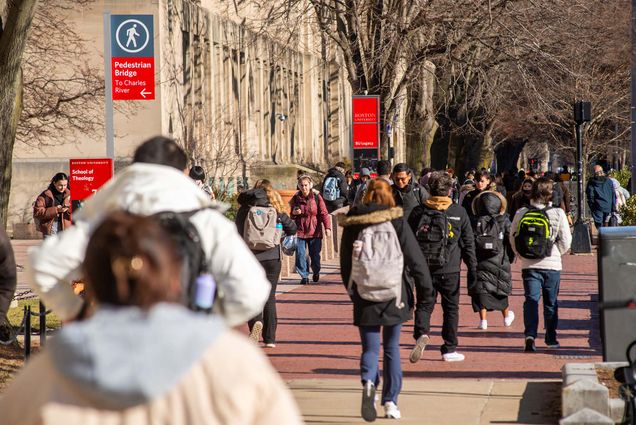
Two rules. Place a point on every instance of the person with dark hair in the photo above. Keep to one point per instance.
(148, 189)
(541, 274)
(335, 190)
(382, 320)
(142, 357)
(521, 198)
(407, 193)
(264, 201)
(197, 173)
(483, 181)
(8, 283)
(52, 208)
(445, 237)
(384, 170)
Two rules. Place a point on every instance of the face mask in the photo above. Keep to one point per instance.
(527, 192)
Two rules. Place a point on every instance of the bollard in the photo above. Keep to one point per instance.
(42, 324)
(27, 332)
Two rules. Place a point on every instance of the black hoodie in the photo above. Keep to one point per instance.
(342, 185)
(258, 198)
(369, 313)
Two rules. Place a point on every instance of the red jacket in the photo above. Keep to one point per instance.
(313, 215)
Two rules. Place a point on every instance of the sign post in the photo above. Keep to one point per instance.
(365, 132)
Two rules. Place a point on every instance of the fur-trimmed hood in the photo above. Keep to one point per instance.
(367, 214)
(489, 202)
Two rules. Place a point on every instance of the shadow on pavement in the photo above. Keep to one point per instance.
(540, 404)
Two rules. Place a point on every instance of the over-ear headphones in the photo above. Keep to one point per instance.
(305, 177)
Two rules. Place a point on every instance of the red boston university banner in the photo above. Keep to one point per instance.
(86, 177)
(365, 132)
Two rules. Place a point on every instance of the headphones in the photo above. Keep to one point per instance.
(305, 177)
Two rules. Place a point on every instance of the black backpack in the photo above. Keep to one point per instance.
(432, 235)
(488, 237)
(534, 234)
(189, 248)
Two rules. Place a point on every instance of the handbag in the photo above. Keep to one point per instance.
(288, 245)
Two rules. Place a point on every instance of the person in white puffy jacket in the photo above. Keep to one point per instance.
(542, 276)
(155, 182)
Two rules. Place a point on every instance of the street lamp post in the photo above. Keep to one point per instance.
(581, 243)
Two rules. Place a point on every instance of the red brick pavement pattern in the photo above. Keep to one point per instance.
(316, 338)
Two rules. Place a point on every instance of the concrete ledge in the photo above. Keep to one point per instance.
(573, 372)
(585, 394)
(586, 417)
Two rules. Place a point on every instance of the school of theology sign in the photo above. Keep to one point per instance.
(132, 57)
(86, 177)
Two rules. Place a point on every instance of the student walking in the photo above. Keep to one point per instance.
(493, 283)
(52, 208)
(376, 246)
(143, 358)
(310, 213)
(540, 236)
(445, 237)
(262, 222)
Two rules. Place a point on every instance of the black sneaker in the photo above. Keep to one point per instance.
(554, 344)
(316, 277)
(304, 281)
(368, 411)
(530, 347)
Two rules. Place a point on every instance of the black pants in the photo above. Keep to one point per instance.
(268, 316)
(447, 285)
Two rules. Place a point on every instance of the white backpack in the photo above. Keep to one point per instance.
(260, 232)
(377, 263)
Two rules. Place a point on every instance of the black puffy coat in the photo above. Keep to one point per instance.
(369, 313)
(493, 274)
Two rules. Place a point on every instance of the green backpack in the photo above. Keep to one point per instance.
(534, 235)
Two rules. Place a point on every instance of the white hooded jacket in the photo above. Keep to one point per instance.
(146, 189)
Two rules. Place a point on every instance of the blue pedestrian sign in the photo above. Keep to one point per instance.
(132, 36)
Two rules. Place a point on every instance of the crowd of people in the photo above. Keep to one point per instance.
(154, 250)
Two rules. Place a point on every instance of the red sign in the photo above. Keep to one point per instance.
(133, 78)
(365, 136)
(366, 109)
(86, 176)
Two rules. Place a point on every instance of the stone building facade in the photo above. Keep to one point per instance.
(243, 104)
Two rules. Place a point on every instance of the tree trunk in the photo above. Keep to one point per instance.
(420, 123)
(486, 151)
(12, 41)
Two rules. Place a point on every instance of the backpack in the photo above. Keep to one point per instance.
(187, 240)
(534, 234)
(487, 237)
(432, 235)
(260, 231)
(377, 263)
(330, 189)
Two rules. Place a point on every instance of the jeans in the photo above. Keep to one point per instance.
(447, 285)
(302, 264)
(535, 283)
(269, 316)
(369, 367)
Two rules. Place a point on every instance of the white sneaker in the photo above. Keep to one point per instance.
(453, 357)
(483, 324)
(391, 411)
(509, 319)
(418, 350)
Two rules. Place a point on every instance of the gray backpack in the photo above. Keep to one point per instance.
(376, 264)
(260, 232)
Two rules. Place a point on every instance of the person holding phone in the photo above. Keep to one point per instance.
(52, 208)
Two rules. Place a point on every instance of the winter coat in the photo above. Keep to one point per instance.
(342, 200)
(369, 313)
(45, 210)
(147, 189)
(518, 201)
(409, 197)
(600, 194)
(562, 237)
(312, 216)
(167, 366)
(258, 198)
(7, 273)
(461, 242)
(467, 201)
(493, 273)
